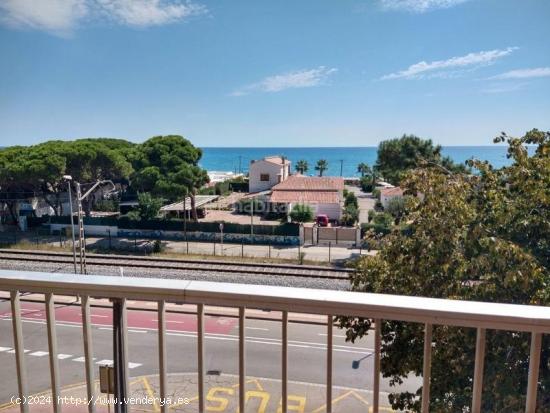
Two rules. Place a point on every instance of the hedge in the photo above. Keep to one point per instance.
(178, 225)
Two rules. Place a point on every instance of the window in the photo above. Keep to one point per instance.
(264, 177)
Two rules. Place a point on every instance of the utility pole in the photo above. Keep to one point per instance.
(68, 178)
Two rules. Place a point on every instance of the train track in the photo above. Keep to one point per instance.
(215, 266)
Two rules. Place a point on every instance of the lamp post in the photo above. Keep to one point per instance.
(69, 178)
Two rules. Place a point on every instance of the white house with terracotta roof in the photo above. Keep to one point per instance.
(267, 172)
(387, 194)
(323, 194)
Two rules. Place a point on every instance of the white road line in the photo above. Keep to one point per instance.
(257, 328)
(133, 365)
(4, 349)
(39, 353)
(105, 361)
(13, 351)
(64, 356)
(334, 335)
(100, 315)
(133, 331)
(266, 340)
(80, 359)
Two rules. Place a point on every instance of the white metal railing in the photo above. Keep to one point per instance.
(429, 311)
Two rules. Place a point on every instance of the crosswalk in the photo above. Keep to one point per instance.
(61, 356)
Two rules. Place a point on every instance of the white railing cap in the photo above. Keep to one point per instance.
(314, 301)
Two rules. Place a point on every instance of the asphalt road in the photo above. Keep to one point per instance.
(307, 348)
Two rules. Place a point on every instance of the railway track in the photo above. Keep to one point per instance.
(214, 266)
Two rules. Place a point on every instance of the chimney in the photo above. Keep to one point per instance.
(283, 177)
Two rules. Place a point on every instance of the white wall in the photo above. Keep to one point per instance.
(263, 167)
(102, 230)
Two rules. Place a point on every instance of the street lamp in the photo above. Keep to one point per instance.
(69, 178)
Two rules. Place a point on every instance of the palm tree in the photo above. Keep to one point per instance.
(363, 169)
(322, 166)
(301, 166)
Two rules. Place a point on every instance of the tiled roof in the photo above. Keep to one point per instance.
(310, 183)
(322, 197)
(396, 191)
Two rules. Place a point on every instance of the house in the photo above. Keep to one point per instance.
(323, 194)
(387, 194)
(268, 172)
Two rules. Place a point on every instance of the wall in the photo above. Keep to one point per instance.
(263, 167)
(103, 230)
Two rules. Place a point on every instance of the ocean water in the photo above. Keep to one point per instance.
(347, 159)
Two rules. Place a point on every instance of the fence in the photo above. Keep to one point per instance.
(427, 311)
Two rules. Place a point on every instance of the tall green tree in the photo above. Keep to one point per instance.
(167, 166)
(363, 169)
(398, 156)
(301, 166)
(480, 237)
(321, 166)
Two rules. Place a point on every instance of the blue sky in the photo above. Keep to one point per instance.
(274, 73)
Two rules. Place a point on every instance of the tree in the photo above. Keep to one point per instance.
(363, 169)
(148, 206)
(167, 166)
(480, 237)
(396, 207)
(301, 213)
(351, 199)
(399, 155)
(321, 166)
(301, 166)
(350, 215)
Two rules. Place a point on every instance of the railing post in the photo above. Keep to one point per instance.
(19, 352)
(242, 355)
(120, 354)
(533, 379)
(88, 351)
(427, 368)
(329, 364)
(478, 370)
(284, 361)
(52, 351)
(376, 373)
(162, 354)
(200, 354)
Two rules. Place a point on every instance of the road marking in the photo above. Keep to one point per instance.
(134, 331)
(99, 315)
(258, 328)
(334, 335)
(105, 328)
(133, 365)
(39, 353)
(4, 349)
(13, 351)
(105, 361)
(64, 356)
(80, 359)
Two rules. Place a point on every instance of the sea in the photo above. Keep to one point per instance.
(342, 161)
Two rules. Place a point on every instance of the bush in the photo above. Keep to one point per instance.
(371, 214)
(148, 206)
(383, 219)
(396, 207)
(351, 200)
(351, 215)
(376, 193)
(301, 213)
(106, 205)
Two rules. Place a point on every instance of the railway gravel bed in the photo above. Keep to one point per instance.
(230, 274)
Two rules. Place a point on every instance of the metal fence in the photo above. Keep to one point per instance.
(428, 311)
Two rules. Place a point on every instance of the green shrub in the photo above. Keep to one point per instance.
(384, 219)
(301, 213)
(351, 215)
(351, 200)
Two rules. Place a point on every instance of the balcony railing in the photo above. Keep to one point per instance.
(428, 311)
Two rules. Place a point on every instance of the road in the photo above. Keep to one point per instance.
(307, 349)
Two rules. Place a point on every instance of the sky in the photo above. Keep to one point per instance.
(273, 73)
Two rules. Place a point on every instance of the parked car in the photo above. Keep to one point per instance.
(322, 220)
